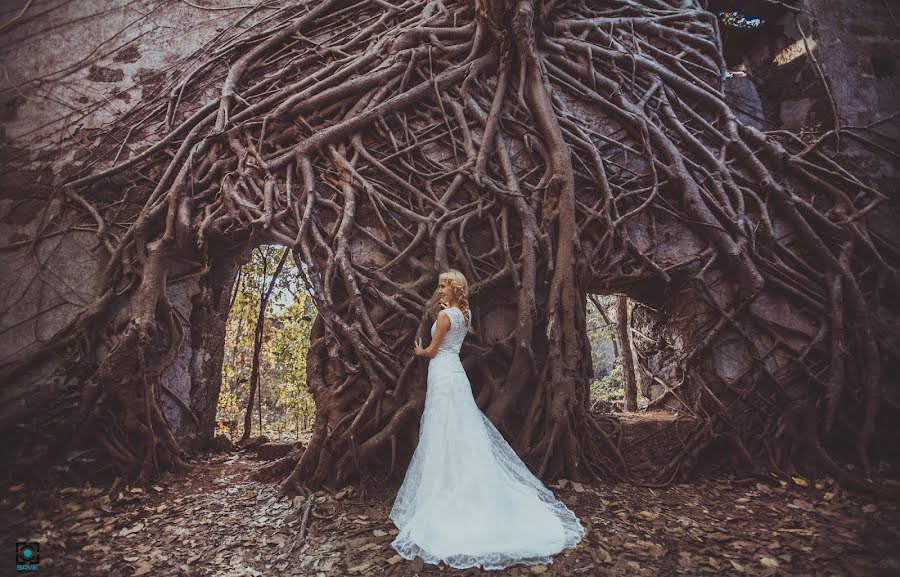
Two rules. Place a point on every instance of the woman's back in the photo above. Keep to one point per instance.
(454, 338)
(467, 499)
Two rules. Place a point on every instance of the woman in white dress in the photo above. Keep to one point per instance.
(467, 499)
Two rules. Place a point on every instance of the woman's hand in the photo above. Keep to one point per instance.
(418, 350)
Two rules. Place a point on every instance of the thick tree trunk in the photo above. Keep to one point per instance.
(208, 318)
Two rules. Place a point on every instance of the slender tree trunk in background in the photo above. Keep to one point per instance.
(602, 310)
(237, 289)
(257, 347)
(238, 359)
(259, 400)
(627, 357)
(254, 377)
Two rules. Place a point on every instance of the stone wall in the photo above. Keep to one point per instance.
(774, 85)
(70, 69)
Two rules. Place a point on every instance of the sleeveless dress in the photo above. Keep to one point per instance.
(467, 499)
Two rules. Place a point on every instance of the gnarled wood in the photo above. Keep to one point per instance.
(547, 149)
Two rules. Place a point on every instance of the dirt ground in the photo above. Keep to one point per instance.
(217, 521)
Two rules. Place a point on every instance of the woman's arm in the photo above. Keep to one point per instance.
(443, 325)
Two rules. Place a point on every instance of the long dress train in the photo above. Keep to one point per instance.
(467, 499)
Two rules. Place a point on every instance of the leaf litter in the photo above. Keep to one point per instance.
(218, 521)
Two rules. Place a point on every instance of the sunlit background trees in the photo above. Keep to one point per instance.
(283, 406)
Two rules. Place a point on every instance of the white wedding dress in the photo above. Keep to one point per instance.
(467, 499)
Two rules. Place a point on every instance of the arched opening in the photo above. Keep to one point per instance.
(266, 345)
(615, 378)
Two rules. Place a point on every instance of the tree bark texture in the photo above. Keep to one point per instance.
(548, 149)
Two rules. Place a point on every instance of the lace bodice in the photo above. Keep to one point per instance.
(453, 340)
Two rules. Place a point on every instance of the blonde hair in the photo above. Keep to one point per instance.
(461, 288)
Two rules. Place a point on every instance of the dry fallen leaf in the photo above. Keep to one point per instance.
(360, 568)
(394, 560)
(768, 561)
(649, 515)
(379, 533)
(603, 555)
(538, 569)
(652, 548)
(130, 530)
(800, 481)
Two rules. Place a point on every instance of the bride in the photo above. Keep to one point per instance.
(467, 499)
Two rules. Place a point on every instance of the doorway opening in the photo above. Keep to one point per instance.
(615, 384)
(264, 390)
(638, 394)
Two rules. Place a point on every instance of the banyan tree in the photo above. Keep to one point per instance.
(547, 149)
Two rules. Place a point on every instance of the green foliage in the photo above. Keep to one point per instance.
(286, 401)
(609, 384)
(601, 334)
(289, 348)
(738, 20)
(610, 388)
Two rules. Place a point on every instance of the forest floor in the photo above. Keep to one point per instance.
(217, 521)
